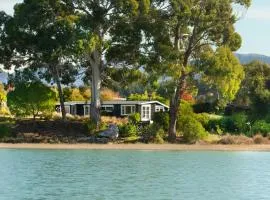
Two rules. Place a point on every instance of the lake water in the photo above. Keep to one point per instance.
(128, 175)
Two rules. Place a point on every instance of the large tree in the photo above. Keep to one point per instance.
(100, 22)
(41, 36)
(179, 31)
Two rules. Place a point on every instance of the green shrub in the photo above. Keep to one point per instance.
(237, 124)
(192, 129)
(153, 133)
(213, 125)
(186, 108)
(135, 118)
(162, 119)
(92, 127)
(240, 121)
(128, 130)
(203, 118)
(158, 139)
(261, 127)
(227, 125)
(4, 130)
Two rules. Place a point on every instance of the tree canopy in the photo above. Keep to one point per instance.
(222, 71)
(255, 88)
(31, 98)
(179, 31)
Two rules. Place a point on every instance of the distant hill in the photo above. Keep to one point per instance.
(247, 58)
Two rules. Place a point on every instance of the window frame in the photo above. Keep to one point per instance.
(123, 110)
(84, 113)
(159, 108)
(107, 106)
(67, 109)
(73, 109)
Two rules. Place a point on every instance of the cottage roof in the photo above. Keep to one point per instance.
(115, 102)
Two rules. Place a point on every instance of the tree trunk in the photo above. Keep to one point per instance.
(95, 88)
(173, 120)
(60, 92)
(175, 106)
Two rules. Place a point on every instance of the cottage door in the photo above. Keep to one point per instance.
(146, 112)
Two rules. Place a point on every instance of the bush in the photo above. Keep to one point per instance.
(162, 119)
(135, 118)
(214, 126)
(233, 139)
(4, 130)
(203, 118)
(227, 125)
(92, 127)
(186, 108)
(237, 124)
(153, 133)
(128, 130)
(240, 121)
(192, 129)
(259, 139)
(158, 139)
(261, 127)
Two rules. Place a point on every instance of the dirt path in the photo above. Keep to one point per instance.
(153, 147)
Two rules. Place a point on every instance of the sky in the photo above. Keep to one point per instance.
(253, 26)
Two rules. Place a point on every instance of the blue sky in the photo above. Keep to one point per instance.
(254, 26)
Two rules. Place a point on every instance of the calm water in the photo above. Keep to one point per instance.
(128, 175)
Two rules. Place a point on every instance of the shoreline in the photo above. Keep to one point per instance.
(145, 147)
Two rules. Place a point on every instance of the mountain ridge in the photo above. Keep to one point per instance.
(247, 58)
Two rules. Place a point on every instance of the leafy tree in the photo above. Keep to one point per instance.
(102, 22)
(32, 98)
(179, 31)
(73, 94)
(255, 89)
(125, 80)
(222, 72)
(40, 36)
(6, 43)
